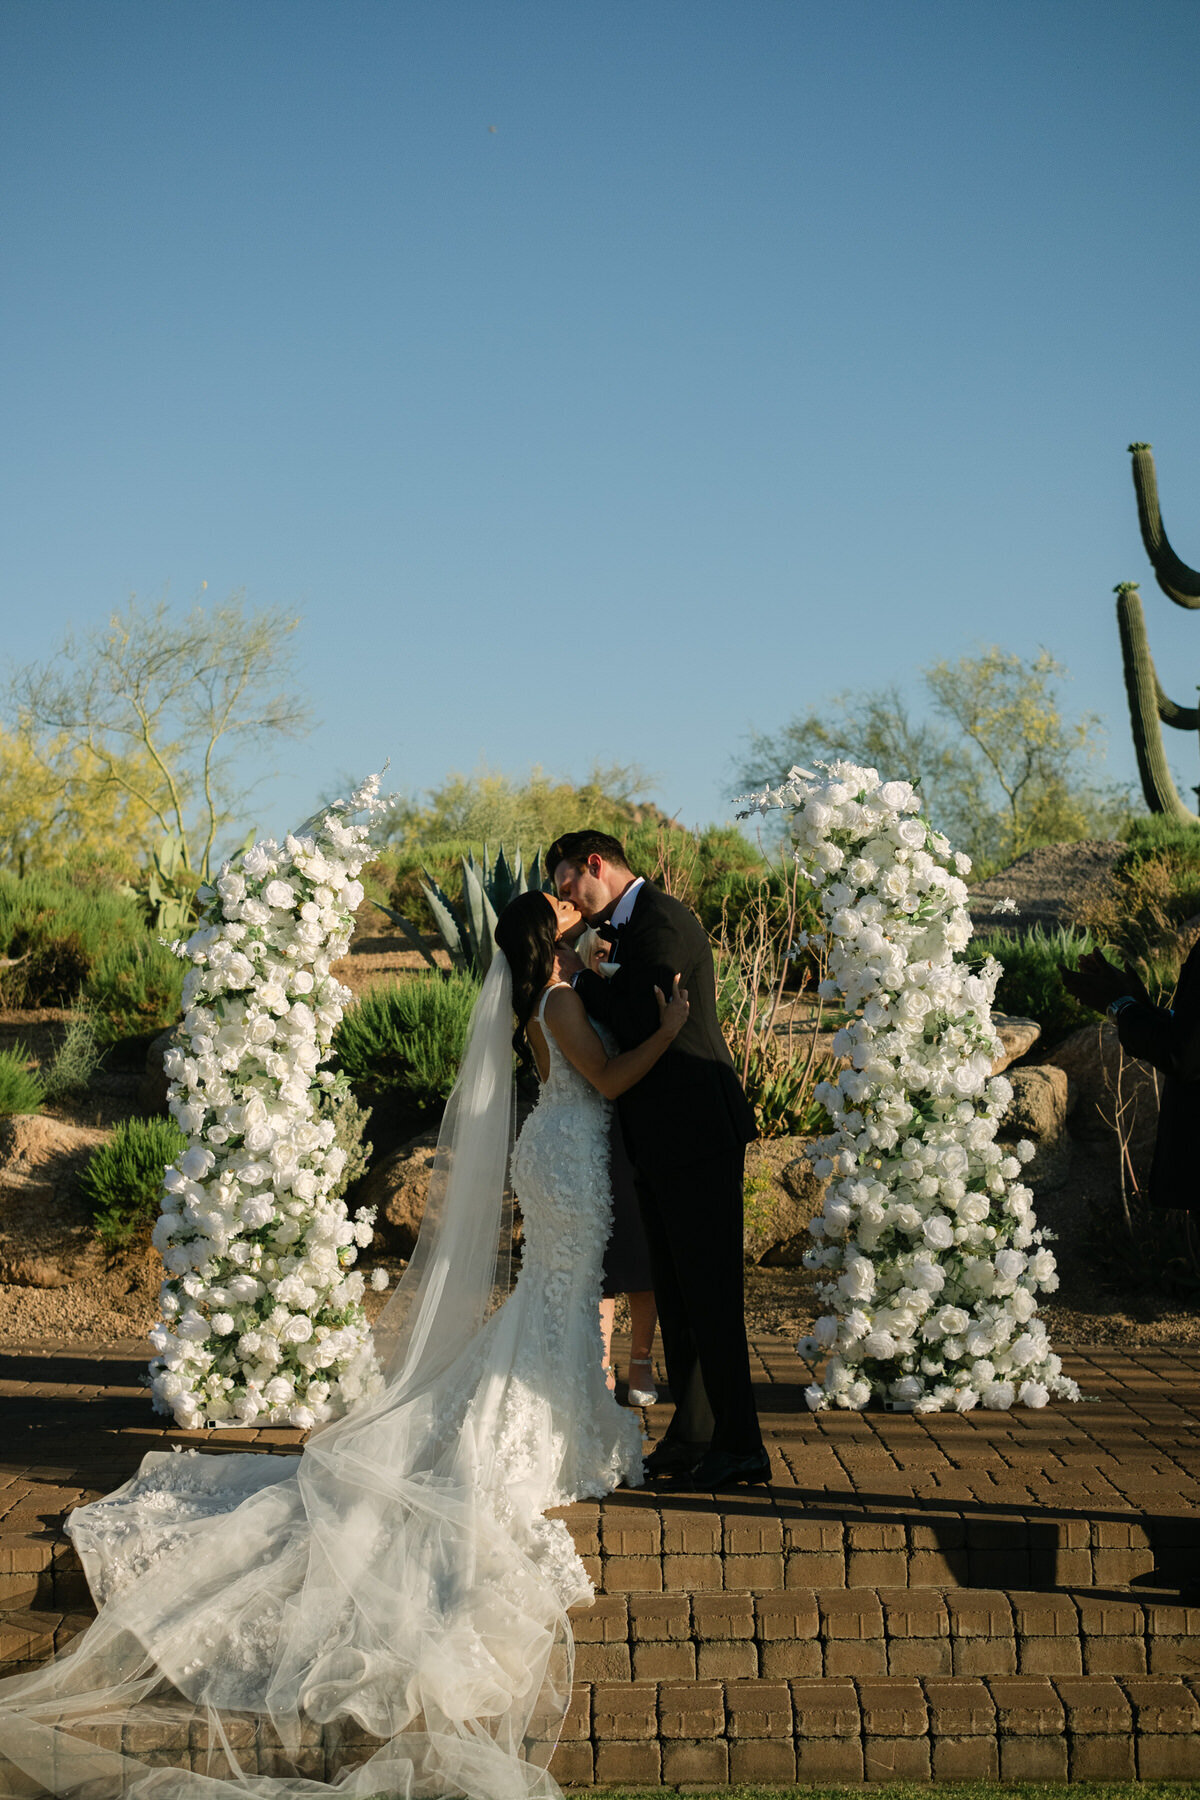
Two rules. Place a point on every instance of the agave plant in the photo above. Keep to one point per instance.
(468, 930)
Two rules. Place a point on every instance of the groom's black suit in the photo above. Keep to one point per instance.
(686, 1126)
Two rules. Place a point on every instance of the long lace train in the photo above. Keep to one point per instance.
(387, 1613)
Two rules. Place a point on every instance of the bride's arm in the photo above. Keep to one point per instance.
(572, 1031)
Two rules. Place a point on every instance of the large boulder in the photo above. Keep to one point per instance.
(398, 1187)
(46, 1237)
(1038, 1111)
(1018, 1036)
(152, 1093)
(1110, 1096)
(781, 1195)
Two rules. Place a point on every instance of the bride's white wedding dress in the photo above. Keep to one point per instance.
(399, 1576)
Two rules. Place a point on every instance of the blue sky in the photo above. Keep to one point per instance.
(764, 348)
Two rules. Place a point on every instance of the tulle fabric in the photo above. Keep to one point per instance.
(386, 1614)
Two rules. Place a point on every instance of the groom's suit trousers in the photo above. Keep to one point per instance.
(686, 1126)
(693, 1220)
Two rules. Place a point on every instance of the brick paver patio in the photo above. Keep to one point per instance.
(956, 1596)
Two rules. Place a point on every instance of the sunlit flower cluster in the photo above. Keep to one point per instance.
(262, 1318)
(929, 1253)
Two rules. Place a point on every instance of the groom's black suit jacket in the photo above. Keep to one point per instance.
(691, 1104)
(1170, 1040)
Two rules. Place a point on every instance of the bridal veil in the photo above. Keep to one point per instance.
(366, 1619)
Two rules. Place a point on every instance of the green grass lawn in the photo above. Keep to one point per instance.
(931, 1790)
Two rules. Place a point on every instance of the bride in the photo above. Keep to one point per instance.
(386, 1614)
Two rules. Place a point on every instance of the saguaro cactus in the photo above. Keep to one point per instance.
(1149, 706)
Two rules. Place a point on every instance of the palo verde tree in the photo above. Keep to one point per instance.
(1000, 765)
(155, 708)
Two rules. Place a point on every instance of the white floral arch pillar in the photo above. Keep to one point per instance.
(930, 1255)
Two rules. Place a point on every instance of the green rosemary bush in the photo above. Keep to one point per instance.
(134, 988)
(409, 1035)
(54, 932)
(349, 1127)
(121, 1185)
(21, 1091)
(1031, 985)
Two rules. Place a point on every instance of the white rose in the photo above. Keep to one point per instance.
(938, 1232)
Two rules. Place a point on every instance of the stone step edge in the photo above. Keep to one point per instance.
(831, 1632)
(753, 1547)
(1019, 1728)
(1030, 1728)
(896, 1631)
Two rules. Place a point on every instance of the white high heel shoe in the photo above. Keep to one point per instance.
(642, 1396)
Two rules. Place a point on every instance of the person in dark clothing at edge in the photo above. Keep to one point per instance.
(1169, 1039)
(686, 1127)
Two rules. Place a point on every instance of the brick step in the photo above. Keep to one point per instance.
(883, 1728)
(867, 1632)
(764, 1540)
(829, 1730)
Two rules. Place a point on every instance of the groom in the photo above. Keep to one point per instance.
(686, 1126)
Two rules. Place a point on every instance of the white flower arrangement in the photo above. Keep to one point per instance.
(931, 1255)
(262, 1318)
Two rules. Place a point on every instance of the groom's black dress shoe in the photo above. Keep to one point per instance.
(668, 1460)
(728, 1468)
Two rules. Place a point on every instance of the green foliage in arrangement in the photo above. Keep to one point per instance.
(20, 1089)
(349, 1130)
(53, 932)
(121, 1185)
(1031, 985)
(408, 1035)
(77, 1057)
(135, 988)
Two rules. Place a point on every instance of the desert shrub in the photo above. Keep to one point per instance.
(1153, 888)
(700, 868)
(54, 931)
(77, 1057)
(349, 1127)
(121, 1185)
(134, 988)
(408, 1035)
(20, 1089)
(1031, 985)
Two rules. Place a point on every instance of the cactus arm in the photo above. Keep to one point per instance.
(1174, 577)
(1146, 704)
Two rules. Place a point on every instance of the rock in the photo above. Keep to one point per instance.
(1038, 1111)
(781, 1195)
(1048, 886)
(398, 1187)
(1109, 1094)
(45, 1234)
(1018, 1037)
(152, 1093)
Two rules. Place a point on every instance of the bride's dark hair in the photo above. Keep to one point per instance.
(526, 932)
